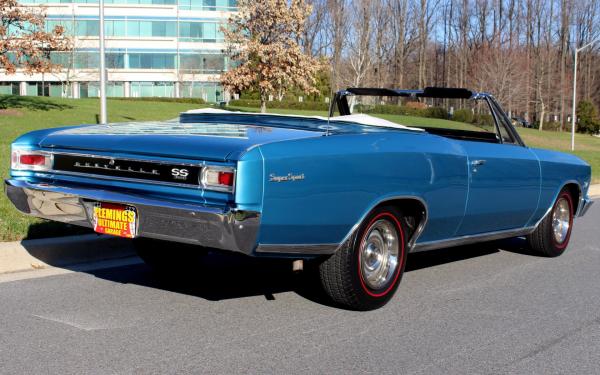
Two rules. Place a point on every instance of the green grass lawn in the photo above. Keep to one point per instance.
(24, 114)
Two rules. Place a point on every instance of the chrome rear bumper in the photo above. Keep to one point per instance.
(214, 227)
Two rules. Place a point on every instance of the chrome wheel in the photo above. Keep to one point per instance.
(379, 254)
(561, 220)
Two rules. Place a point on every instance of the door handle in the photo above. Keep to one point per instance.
(476, 164)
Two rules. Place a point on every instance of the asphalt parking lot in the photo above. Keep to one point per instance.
(485, 309)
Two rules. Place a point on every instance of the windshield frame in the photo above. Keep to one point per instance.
(501, 119)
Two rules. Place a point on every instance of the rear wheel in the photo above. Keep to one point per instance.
(365, 273)
(552, 235)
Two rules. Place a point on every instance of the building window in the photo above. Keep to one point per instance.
(209, 91)
(87, 27)
(92, 89)
(157, 2)
(207, 32)
(152, 89)
(208, 5)
(9, 88)
(202, 63)
(152, 61)
(115, 60)
(143, 2)
(54, 89)
(67, 25)
(148, 29)
(115, 28)
(88, 60)
(121, 28)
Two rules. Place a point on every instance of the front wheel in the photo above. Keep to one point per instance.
(552, 235)
(366, 271)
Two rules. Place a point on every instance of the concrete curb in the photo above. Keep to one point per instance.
(61, 252)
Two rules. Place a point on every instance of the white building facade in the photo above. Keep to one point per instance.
(154, 48)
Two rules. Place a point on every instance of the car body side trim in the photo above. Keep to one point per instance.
(470, 239)
(304, 249)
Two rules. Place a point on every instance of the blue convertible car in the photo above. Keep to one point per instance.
(352, 192)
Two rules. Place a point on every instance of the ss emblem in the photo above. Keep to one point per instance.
(180, 173)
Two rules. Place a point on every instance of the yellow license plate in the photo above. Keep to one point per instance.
(115, 219)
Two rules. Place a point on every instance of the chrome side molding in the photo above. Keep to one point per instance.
(304, 249)
(470, 239)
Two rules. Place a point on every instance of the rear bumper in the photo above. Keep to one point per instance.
(214, 227)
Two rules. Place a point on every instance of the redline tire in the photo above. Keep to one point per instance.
(545, 240)
(359, 276)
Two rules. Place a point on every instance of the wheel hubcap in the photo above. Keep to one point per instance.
(379, 254)
(561, 220)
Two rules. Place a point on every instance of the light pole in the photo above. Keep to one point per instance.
(102, 68)
(575, 90)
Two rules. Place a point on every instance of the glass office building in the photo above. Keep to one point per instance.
(163, 48)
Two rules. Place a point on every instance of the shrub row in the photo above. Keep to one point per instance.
(549, 125)
(483, 120)
(463, 115)
(431, 112)
(308, 106)
(160, 99)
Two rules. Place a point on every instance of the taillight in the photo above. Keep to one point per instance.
(226, 178)
(29, 160)
(218, 178)
(32, 159)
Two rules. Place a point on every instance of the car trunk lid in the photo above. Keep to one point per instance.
(201, 141)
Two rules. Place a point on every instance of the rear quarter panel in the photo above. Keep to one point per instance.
(345, 176)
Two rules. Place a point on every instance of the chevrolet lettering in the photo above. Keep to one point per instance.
(350, 194)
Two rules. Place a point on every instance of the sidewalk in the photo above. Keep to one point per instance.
(61, 252)
(594, 191)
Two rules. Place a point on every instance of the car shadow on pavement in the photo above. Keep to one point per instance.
(427, 259)
(220, 275)
(517, 245)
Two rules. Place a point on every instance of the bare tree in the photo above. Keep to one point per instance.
(337, 29)
(359, 45)
(521, 50)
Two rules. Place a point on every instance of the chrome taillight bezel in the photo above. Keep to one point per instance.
(204, 180)
(16, 165)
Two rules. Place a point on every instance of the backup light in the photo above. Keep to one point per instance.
(29, 160)
(218, 178)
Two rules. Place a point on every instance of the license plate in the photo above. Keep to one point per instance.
(115, 219)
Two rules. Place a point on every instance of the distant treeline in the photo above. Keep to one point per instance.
(521, 51)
